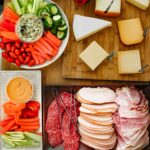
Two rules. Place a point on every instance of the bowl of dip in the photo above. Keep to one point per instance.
(19, 90)
(29, 28)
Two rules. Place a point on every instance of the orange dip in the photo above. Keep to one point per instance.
(19, 90)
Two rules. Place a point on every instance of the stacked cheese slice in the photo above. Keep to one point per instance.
(95, 123)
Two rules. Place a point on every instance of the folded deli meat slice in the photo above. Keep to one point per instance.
(96, 131)
(98, 144)
(93, 126)
(132, 119)
(96, 95)
(105, 120)
(108, 107)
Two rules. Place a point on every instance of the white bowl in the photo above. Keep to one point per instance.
(61, 48)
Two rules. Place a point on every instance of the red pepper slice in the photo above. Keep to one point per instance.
(8, 26)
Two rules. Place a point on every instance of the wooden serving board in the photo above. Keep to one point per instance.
(108, 38)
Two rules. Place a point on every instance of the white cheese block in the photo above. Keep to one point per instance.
(142, 4)
(86, 26)
(129, 62)
(93, 55)
(108, 8)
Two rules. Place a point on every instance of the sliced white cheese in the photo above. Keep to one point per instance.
(86, 26)
(142, 4)
(93, 55)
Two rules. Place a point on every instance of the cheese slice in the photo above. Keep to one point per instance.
(131, 31)
(93, 55)
(86, 26)
(142, 4)
(129, 62)
(108, 8)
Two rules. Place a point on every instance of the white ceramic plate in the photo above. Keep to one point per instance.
(61, 48)
(35, 78)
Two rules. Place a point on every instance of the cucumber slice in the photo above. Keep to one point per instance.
(61, 35)
(63, 22)
(57, 18)
(63, 28)
(48, 22)
(54, 9)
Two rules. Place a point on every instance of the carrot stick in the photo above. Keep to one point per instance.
(51, 43)
(9, 35)
(28, 123)
(35, 58)
(8, 126)
(6, 120)
(28, 120)
(51, 50)
(41, 59)
(30, 127)
(40, 50)
(53, 38)
(11, 12)
(44, 49)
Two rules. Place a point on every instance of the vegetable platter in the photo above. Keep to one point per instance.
(34, 33)
(20, 122)
(49, 97)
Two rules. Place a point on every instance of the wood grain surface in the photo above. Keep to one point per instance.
(73, 67)
(52, 74)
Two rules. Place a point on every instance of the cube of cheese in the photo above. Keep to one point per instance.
(93, 55)
(142, 4)
(129, 62)
(108, 8)
(131, 31)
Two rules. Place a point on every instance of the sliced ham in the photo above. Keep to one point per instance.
(132, 119)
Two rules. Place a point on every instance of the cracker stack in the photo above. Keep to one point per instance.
(95, 123)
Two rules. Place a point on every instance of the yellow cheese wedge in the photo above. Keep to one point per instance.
(93, 55)
(129, 62)
(131, 31)
(142, 4)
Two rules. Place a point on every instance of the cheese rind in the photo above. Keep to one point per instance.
(113, 9)
(142, 4)
(131, 31)
(93, 55)
(129, 62)
(86, 26)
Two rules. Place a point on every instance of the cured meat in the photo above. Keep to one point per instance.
(61, 122)
(132, 119)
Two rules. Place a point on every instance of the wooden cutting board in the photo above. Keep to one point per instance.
(73, 67)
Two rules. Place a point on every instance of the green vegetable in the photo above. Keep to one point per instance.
(23, 9)
(29, 8)
(10, 5)
(22, 2)
(54, 9)
(48, 22)
(57, 18)
(17, 6)
(36, 5)
(61, 35)
(23, 139)
(33, 136)
(63, 28)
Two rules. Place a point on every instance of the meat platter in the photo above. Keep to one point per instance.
(49, 96)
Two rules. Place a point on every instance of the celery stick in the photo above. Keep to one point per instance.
(10, 5)
(33, 136)
(10, 143)
(22, 2)
(16, 6)
(36, 5)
